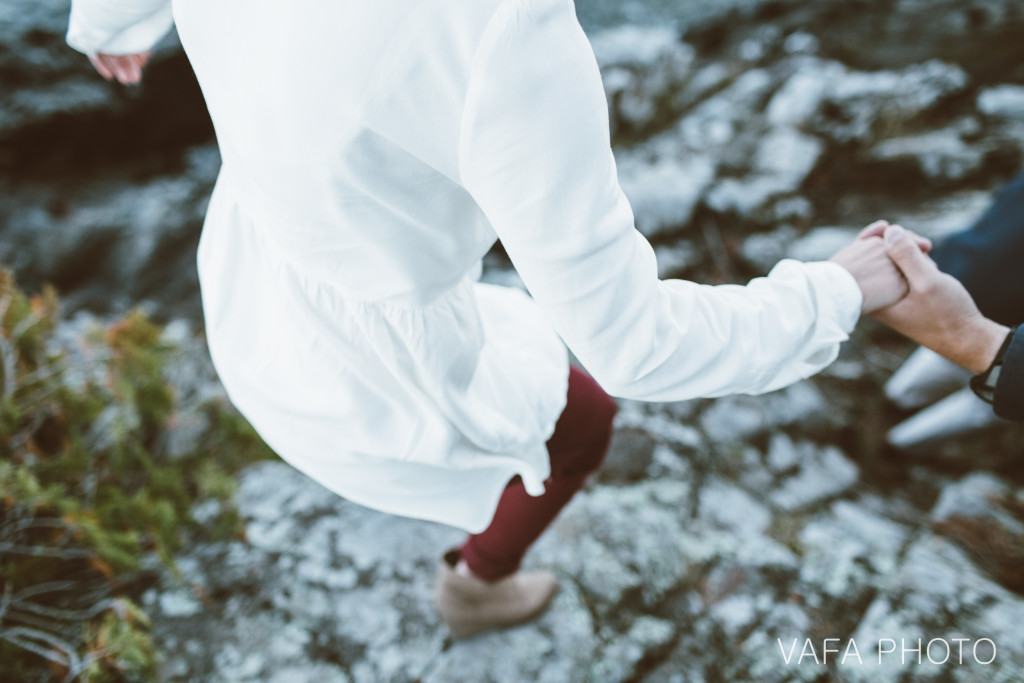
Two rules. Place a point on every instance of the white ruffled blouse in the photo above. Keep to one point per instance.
(372, 154)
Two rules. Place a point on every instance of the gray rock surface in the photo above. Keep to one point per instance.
(112, 244)
(664, 194)
(1004, 101)
(821, 243)
(33, 35)
(800, 97)
(861, 104)
(821, 474)
(939, 155)
(711, 541)
(675, 259)
(949, 214)
(643, 68)
(782, 161)
(979, 496)
(764, 250)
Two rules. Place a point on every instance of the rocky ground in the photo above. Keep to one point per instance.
(724, 540)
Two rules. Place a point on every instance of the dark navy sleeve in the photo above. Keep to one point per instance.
(986, 258)
(1009, 398)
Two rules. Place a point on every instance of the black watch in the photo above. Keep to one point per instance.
(984, 385)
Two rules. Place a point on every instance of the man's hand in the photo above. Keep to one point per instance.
(127, 69)
(938, 312)
(880, 281)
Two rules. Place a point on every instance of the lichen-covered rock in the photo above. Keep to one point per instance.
(1003, 101)
(937, 594)
(730, 507)
(644, 558)
(848, 549)
(675, 259)
(782, 161)
(734, 419)
(619, 659)
(951, 213)
(978, 496)
(861, 104)
(629, 456)
(939, 155)
(799, 99)
(53, 78)
(665, 193)
(821, 474)
(718, 119)
(821, 243)
(643, 69)
(134, 239)
(764, 249)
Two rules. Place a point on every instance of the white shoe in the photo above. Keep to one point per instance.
(923, 379)
(956, 414)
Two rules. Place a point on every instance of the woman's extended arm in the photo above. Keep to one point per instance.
(535, 154)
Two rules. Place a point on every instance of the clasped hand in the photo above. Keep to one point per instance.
(904, 289)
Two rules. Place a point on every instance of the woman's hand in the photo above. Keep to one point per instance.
(881, 282)
(127, 69)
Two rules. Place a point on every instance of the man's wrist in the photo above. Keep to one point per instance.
(981, 343)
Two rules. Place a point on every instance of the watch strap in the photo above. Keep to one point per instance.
(984, 385)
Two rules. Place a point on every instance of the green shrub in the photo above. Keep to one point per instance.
(85, 496)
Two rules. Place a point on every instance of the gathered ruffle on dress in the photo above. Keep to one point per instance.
(381, 401)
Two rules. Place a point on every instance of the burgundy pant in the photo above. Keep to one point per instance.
(576, 449)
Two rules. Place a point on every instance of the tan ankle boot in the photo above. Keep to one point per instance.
(469, 605)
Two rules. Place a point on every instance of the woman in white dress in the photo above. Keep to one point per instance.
(372, 154)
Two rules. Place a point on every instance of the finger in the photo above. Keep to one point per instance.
(116, 65)
(134, 70)
(923, 243)
(907, 255)
(876, 229)
(129, 69)
(140, 59)
(100, 67)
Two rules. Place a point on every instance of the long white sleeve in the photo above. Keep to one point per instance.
(118, 26)
(536, 156)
